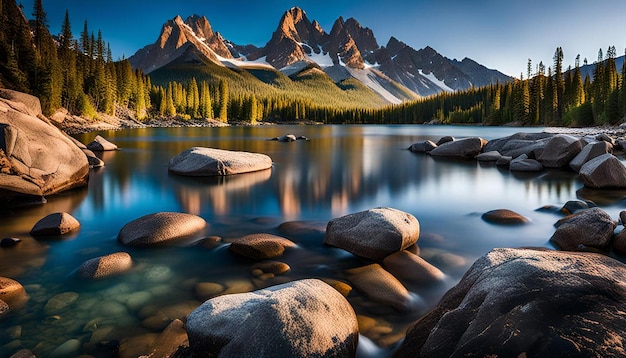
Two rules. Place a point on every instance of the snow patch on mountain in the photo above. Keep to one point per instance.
(439, 83)
(374, 80)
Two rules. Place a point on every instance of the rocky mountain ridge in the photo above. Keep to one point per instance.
(349, 50)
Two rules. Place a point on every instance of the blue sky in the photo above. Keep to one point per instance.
(498, 34)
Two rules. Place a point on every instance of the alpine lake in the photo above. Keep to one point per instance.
(340, 170)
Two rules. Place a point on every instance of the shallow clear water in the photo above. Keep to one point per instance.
(341, 170)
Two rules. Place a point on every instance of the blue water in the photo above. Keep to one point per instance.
(340, 170)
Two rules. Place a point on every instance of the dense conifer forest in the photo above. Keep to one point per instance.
(79, 74)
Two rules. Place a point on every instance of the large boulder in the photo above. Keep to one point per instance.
(99, 144)
(518, 143)
(604, 171)
(590, 151)
(161, 229)
(532, 303)
(560, 150)
(423, 147)
(55, 224)
(260, 246)
(36, 159)
(106, 266)
(591, 228)
(491, 156)
(199, 161)
(306, 318)
(461, 148)
(373, 234)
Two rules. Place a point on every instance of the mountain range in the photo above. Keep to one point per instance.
(349, 52)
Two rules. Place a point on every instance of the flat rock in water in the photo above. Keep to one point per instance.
(305, 318)
(504, 217)
(55, 224)
(588, 228)
(604, 171)
(106, 266)
(199, 161)
(461, 148)
(521, 302)
(260, 246)
(99, 144)
(590, 151)
(161, 229)
(373, 234)
(36, 158)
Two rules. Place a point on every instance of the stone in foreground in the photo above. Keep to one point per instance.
(461, 148)
(106, 266)
(161, 229)
(588, 228)
(55, 224)
(604, 171)
(306, 318)
(533, 303)
(373, 234)
(504, 217)
(36, 159)
(199, 161)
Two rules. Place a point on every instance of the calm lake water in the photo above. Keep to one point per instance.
(340, 170)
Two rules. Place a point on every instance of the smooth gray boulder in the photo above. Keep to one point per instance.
(374, 233)
(199, 161)
(560, 150)
(306, 318)
(590, 151)
(161, 229)
(36, 158)
(460, 148)
(504, 161)
(524, 302)
(525, 164)
(422, 147)
(492, 156)
(445, 139)
(604, 171)
(99, 144)
(591, 228)
(55, 224)
(518, 143)
(106, 266)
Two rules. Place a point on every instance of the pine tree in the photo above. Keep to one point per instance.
(170, 108)
(206, 107)
(223, 114)
(559, 84)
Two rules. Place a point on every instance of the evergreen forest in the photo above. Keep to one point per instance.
(79, 74)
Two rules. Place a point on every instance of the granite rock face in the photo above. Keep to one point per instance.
(587, 228)
(503, 303)
(306, 318)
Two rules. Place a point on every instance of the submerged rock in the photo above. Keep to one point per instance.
(589, 228)
(373, 234)
(198, 161)
(161, 229)
(106, 266)
(305, 318)
(99, 144)
(504, 217)
(408, 267)
(503, 303)
(55, 224)
(9, 242)
(260, 246)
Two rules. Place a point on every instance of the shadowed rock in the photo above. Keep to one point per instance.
(100, 144)
(305, 318)
(106, 266)
(161, 229)
(461, 148)
(55, 224)
(589, 228)
(492, 156)
(260, 246)
(560, 150)
(422, 147)
(504, 217)
(518, 143)
(9, 241)
(590, 151)
(604, 171)
(524, 164)
(373, 234)
(445, 139)
(198, 161)
(501, 306)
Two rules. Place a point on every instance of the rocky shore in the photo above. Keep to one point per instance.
(511, 302)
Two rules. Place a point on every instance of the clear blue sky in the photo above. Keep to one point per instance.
(500, 34)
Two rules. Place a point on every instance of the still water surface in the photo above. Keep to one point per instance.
(340, 170)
